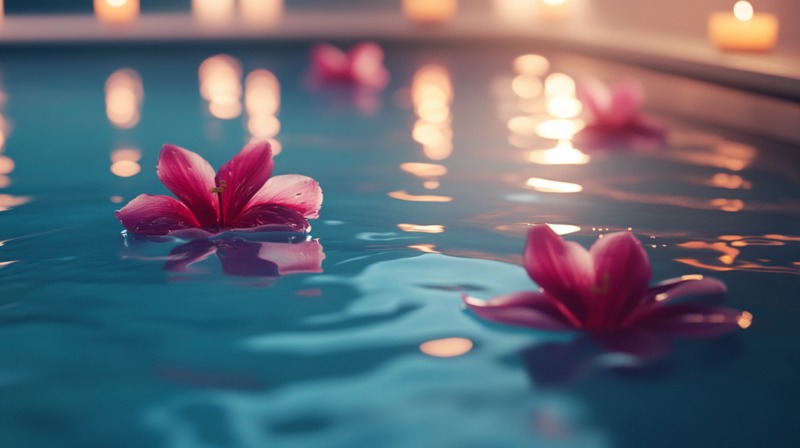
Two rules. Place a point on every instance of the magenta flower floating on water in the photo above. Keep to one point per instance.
(604, 291)
(616, 117)
(242, 197)
(361, 65)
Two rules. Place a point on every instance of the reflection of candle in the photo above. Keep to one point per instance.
(554, 9)
(515, 11)
(743, 30)
(430, 11)
(116, 11)
(256, 13)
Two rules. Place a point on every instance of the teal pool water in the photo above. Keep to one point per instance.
(103, 342)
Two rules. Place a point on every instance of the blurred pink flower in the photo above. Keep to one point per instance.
(604, 291)
(242, 196)
(361, 65)
(616, 116)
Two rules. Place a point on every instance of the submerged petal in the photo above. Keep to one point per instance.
(276, 217)
(328, 61)
(191, 179)
(639, 342)
(299, 193)
(155, 215)
(242, 177)
(366, 65)
(621, 275)
(527, 309)
(626, 100)
(563, 269)
(305, 256)
(182, 257)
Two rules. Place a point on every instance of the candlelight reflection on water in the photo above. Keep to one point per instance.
(432, 94)
(221, 85)
(124, 96)
(124, 162)
(115, 11)
(421, 228)
(262, 100)
(563, 154)
(446, 348)
(552, 186)
(257, 13)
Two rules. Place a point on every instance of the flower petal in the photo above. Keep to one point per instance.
(328, 61)
(526, 308)
(299, 193)
(597, 98)
(562, 269)
(621, 275)
(706, 291)
(626, 100)
(366, 65)
(272, 216)
(155, 215)
(243, 176)
(292, 258)
(689, 320)
(191, 179)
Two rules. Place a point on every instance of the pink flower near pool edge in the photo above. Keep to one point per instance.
(604, 291)
(362, 65)
(241, 197)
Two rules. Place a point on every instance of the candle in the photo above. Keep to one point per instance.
(554, 9)
(116, 11)
(743, 30)
(430, 11)
(515, 11)
(261, 13)
(214, 13)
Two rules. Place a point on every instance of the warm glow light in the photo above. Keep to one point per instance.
(728, 205)
(116, 199)
(552, 186)
(559, 84)
(527, 86)
(446, 348)
(564, 229)
(214, 13)
(430, 11)
(424, 169)
(562, 154)
(431, 94)
(427, 248)
(5, 181)
(421, 228)
(531, 64)
(745, 319)
(402, 195)
(220, 84)
(125, 168)
(258, 13)
(743, 11)
(6, 165)
(554, 2)
(8, 201)
(124, 96)
(515, 11)
(730, 181)
(262, 93)
(564, 107)
(132, 155)
(559, 129)
(431, 184)
(522, 125)
(115, 11)
(692, 277)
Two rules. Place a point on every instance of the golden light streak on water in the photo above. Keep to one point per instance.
(446, 348)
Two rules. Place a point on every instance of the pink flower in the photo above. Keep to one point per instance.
(604, 291)
(616, 116)
(362, 65)
(242, 196)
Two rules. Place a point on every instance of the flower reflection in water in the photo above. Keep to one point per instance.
(263, 256)
(616, 119)
(604, 293)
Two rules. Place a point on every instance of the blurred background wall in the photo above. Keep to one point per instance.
(669, 18)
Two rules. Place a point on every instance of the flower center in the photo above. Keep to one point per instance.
(219, 190)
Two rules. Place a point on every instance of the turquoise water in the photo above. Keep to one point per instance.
(104, 345)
